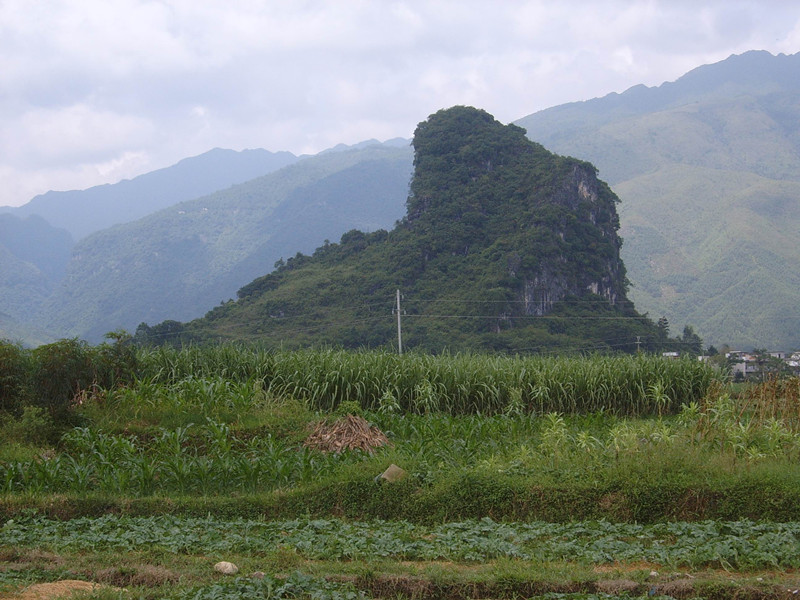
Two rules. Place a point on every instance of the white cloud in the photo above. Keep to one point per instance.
(73, 134)
(92, 89)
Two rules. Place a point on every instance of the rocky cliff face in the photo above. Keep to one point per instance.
(589, 202)
(480, 184)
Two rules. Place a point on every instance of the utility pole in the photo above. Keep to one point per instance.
(638, 344)
(399, 329)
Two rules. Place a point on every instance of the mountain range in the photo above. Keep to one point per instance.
(504, 247)
(706, 168)
(708, 171)
(82, 212)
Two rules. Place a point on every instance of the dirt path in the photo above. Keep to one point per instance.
(50, 591)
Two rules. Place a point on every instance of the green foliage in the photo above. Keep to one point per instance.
(456, 383)
(14, 377)
(62, 370)
(505, 247)
(269, 587)
(55, 376)
(741, 544)
(348, 407)
(33, 427)
(512, 438)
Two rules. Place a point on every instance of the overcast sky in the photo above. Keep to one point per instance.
(94, 91)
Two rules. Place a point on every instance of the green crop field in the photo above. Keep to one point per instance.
(581, 477)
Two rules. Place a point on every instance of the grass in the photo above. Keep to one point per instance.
(219, 434)
(455, 384)
(709, 462)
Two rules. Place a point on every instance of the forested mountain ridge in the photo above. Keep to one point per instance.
(708, 170)
(707, 167)
(504, 246)
(178, 262)
(694, 120)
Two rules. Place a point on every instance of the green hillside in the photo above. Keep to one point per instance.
(708, 171)
(504, 246)
(178, 262)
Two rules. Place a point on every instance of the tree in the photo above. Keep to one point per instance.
(691, 342)
(662, 329)
(769, 365)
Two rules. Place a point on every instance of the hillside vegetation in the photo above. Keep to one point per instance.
(707, 168)
(179, 262)
(708, 171)
(504, 246)
(33, 260)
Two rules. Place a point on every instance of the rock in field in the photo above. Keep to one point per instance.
(226, 568)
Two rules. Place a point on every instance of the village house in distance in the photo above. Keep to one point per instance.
(758, 364)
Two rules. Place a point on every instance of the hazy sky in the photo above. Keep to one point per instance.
(93, 91)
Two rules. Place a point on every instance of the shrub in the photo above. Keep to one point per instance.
(61, 370)
(15, 374)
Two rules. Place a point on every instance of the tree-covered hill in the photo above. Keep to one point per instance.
(707, 167)
(504, 246)
(708, 170)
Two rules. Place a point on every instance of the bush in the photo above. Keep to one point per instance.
(115, 364)
(34, 426)
(15, 367)
(61, 370)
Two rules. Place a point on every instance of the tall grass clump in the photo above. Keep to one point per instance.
(457, 384)
(777, 397)
(168, 365)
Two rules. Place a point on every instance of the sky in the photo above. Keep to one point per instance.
(95, 91)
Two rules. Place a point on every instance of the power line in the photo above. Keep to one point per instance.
(287, 325)
(533, 317)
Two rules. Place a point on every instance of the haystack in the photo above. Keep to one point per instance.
(348, 433)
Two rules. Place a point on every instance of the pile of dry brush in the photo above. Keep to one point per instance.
(348, 433)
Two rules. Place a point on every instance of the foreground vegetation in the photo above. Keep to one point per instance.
(524, 476)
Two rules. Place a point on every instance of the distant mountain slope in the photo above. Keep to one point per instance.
(708, 170)
(27, 335)
(504, 246)
(179, 262)
(82, 212)
(35, 241)
(33, 259)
